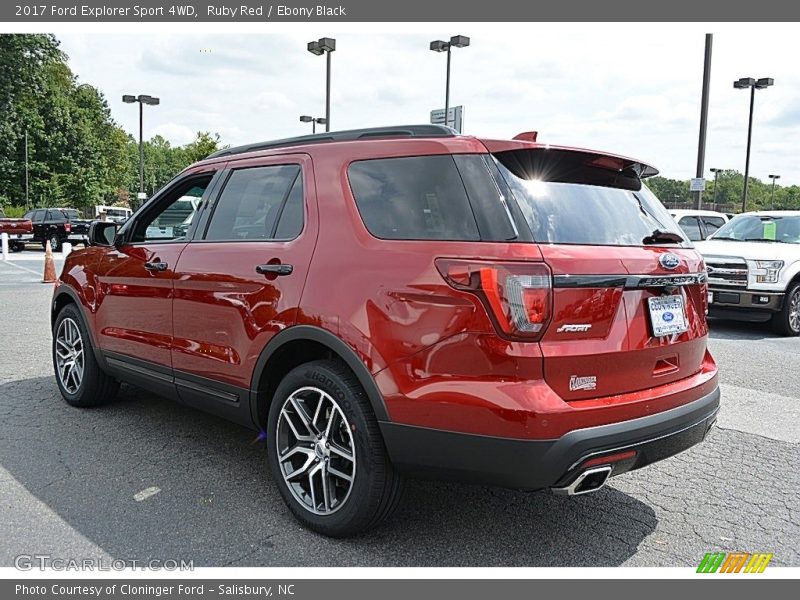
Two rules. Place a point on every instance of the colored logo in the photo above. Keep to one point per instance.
(668, 316)
(582, 383)
(734, 562)
(669, 260)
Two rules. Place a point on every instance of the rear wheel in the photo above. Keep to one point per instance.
(17, 246)
(787, 320)
(326, 452)
(80, 379)
(55, 243)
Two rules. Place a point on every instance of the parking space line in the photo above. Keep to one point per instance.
(21, 267)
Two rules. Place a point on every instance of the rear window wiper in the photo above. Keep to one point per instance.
(662, 237)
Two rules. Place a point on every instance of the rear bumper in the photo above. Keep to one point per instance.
(536, 464)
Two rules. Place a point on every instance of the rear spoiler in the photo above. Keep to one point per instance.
(569, 165)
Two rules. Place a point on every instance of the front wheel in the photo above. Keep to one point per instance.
(326, 452)
(787, 320)
(80, 380)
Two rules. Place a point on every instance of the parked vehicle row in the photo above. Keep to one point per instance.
(403, 301)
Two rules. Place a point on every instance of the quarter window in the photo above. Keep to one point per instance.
(414, 198)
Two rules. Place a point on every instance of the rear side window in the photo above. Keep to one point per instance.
(691, 226)
(413, 198)
(576, 210)
(252, 204)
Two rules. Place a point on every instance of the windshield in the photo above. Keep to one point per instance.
(761, 228)
(577, 213)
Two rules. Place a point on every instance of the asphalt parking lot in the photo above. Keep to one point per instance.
(71, 480)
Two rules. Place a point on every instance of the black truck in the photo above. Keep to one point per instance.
(58, 225)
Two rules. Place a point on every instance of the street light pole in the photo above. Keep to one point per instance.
(313, 121)
(318, 48)
(701, 144)
(772, 196)
(753, 84)
(141, 148)
(142, 99)
(457, 41)
(716, 178)
(26, 172)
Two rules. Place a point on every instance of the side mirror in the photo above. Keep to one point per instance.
(102, 233)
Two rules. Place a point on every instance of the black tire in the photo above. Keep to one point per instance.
(376, 486)
(55, 243)
(787, 320)
(17, 246)
(95, 386)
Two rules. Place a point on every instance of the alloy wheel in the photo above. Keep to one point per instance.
(794, 310)
(69, 355)
(316, 450)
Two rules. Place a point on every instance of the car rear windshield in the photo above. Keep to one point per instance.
(566, 203)
(413, 198)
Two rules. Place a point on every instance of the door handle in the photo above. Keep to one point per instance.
(155, 266)
(279, 269)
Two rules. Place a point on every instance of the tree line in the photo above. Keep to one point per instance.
(728, 192)
(77, 155)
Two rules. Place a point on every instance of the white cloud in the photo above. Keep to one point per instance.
(626, 88)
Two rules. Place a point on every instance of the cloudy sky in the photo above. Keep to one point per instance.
(631, 89)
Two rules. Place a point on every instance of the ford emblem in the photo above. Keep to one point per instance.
(669, 260)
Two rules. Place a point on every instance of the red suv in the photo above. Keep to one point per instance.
(403, 300)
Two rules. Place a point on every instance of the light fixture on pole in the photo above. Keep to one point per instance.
(772, 196)
(753, 84)
(716, 173)
(142, 99)
(325, 46)
(313, 121)
(457, 41)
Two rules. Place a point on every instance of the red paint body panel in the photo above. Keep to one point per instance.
(16, 226)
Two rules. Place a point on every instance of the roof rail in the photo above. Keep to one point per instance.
(342, 136)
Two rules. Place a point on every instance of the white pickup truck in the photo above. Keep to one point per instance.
(753, 265)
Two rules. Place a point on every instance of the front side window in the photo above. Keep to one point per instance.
(413, 198)
(171, 218)
(259, 203)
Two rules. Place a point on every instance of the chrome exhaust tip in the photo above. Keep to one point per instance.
(587, 482)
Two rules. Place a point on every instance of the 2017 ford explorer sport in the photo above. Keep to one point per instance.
(404, 301)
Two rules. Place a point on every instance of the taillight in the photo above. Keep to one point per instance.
(67, 227)
(518, 295)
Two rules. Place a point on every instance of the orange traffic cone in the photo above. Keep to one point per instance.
(49, 265)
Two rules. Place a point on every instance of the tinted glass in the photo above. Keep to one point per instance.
(489, 202)
(71, 214)
(251, 202)
(712, 223)
(760, 228)
(290, 223)
(173, 216)
(575, 213)
(691, 227)
(38, 215)
(417, 198)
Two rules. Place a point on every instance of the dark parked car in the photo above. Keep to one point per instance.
(58, 225)
(404, 301)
